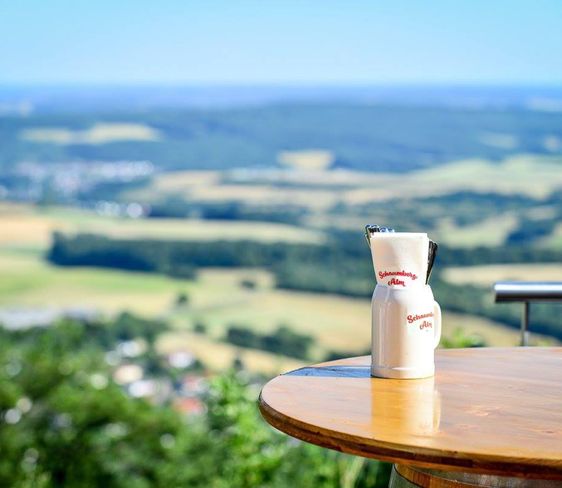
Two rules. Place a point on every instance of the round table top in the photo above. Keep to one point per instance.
(489, 410)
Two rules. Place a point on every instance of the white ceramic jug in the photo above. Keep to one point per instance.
(406, 328)
(406, 320)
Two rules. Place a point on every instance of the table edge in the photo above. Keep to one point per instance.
(422, 457)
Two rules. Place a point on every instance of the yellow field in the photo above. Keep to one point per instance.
(487, 275)
(21, 226)
(174, 183)
(338, 323)
(535, 176)
(24, 225)
(525, 174)
(181, 184)
(101, 133)
(313, 159)
(489, 232)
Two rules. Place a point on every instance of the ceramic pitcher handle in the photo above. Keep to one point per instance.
(437, 324)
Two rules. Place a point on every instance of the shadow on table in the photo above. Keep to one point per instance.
(333, 371)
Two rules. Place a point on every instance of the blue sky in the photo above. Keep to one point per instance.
(270, 41)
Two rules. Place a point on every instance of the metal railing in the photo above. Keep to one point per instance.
(527, 292)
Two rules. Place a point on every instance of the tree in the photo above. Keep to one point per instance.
(182, 299)
(248, 284)
(200, 328)
(67, 424)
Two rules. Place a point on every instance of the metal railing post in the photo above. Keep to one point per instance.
(525, 324)
(527, 292)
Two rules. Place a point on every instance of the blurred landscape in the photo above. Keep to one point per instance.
(160, 237)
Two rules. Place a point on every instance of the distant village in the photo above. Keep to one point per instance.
(184, 393)
(76, 183)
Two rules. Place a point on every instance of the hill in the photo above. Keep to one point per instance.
(359, 136)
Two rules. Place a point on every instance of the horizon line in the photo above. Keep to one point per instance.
(283, 84)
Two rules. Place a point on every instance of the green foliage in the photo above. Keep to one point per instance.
(200, 328)
(69, 425)
(125, 327)
(286, 341)
(266, 458)
(182, 299)
(137, 255)
(66, 424)
(459, 338)
(248, 284)
(243, 337)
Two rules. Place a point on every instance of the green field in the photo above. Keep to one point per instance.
(555, 239)
(27, 280)
(216, 297)
(338, 323)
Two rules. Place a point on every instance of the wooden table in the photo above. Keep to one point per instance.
(489, 417)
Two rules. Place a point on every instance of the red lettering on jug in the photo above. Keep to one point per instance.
(405, 274)
(426, 325)
(396, 282)
(412, 318)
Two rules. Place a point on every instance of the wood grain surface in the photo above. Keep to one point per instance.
(489, 410)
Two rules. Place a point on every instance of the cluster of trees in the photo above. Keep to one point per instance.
(530, 231)
(67, 424)
(344, 254)
(167, 257)
(281, 341)
(177, 207)
(125, 327)
(135, 255)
